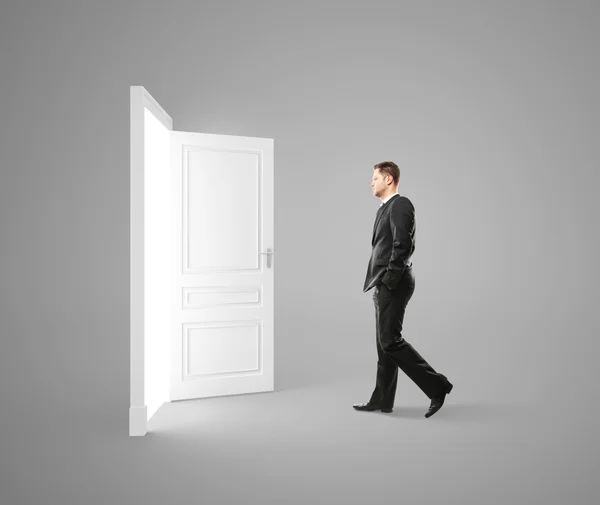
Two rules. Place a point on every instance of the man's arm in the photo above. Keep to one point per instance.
(402, 222)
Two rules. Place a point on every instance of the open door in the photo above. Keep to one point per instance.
(202, 263)
(222, 277)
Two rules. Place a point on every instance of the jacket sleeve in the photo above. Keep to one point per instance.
(402, 222)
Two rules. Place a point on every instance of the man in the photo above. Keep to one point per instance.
(390, 274)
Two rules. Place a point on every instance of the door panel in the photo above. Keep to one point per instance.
(222, 288)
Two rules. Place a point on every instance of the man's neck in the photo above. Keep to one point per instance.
(392, 192)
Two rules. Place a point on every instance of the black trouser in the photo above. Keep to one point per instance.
(393, 351)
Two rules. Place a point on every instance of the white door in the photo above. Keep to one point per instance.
(222, 283)
(201, 283)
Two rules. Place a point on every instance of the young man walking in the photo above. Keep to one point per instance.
(390, 274)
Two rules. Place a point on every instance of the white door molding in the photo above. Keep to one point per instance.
(139, 99)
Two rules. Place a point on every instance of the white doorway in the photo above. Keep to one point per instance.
(202, 263)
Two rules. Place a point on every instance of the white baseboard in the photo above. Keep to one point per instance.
(138, 421)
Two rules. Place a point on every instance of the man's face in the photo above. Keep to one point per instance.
(378, 184)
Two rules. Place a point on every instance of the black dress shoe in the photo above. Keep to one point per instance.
(438, 401)
(369, 407)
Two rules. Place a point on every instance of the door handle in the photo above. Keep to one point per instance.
(269, 253)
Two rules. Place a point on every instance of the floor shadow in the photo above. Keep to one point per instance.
(467, 412)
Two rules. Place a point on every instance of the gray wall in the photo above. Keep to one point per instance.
(490, 109)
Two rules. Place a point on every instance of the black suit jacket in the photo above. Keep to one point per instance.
(393, 243)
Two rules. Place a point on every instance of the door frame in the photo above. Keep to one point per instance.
(139, 98)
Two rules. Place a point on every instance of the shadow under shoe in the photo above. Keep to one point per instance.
(370, 407)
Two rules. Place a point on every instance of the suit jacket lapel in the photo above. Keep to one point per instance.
(378, 217)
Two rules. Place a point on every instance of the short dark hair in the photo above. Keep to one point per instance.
(389, 168)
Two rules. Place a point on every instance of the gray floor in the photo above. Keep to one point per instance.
(308, 446)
